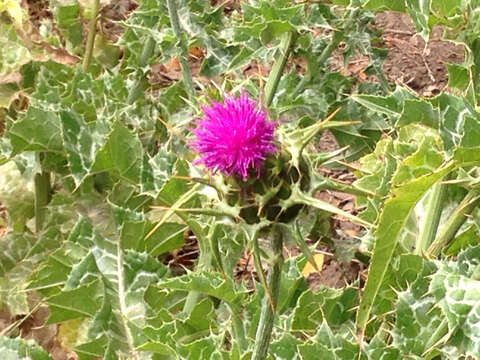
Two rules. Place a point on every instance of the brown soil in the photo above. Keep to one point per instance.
(37, 11)
(111, 13)
(245, 271)
(165, 74)
(334, 274)
(411, 61)
(228, 5)
(183, 259)
(33, 327)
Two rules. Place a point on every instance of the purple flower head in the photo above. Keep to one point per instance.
(234, 137)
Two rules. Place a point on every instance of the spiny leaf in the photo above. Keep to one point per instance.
(458, 297)
(392, 220)
(208, 283)
(37, 130)
(13, 249)
(122, 154)
(81, 143)
(68, 20)
(419, 11)
(13, 52)
(330, 305)
(329, 345)
(395, 5)
(78, 303)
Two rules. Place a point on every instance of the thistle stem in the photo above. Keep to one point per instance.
(258, 267)
(454, 223)
(205, 263)
(204, 260)
(182, 49)
(92, 32)
(432, 218)
(205, 257)
(267, 315)
(239, 332)
(323, 183)
(194, 297)
(286, 45)
(42, 198)
(147, 52)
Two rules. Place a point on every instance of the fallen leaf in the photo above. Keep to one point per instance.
(309, 269)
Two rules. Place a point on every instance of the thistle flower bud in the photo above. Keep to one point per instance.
(234, 138)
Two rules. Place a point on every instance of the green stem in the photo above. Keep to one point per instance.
(182, 49)
(299, 197)
(239, 332)
(92, 32)
(204, 262)
(267, 315)
(432, 218)
(454, 223)
(215, 250)
(147, 52)
(43, 192)
(205, 257)
(257, 260)
(320, 182)
(286, 45)
(194, 297)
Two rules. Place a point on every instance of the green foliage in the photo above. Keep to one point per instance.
(20, 349)
(125, 191)
(14, 52)
(332, 306)
(446, 329)
(68, 20)
(17, 194)
(447, 117)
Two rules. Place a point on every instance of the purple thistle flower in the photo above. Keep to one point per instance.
(234, 137)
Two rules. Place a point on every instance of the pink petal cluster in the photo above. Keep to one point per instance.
(234, 137)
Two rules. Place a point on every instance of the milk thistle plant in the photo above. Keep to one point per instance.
(268, 180)
(111, 176)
